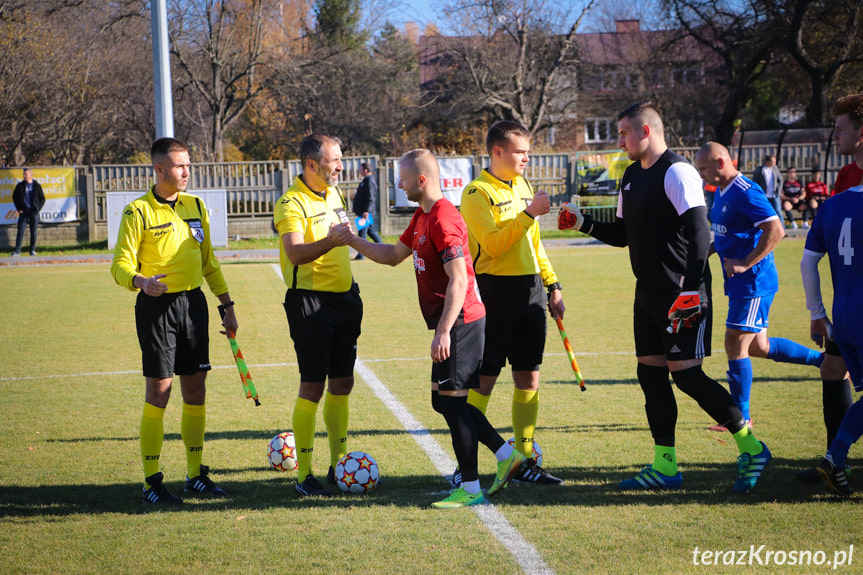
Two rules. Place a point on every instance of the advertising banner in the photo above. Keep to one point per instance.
(599, 173)
(58, 185)
(455, 174)
(216, 202)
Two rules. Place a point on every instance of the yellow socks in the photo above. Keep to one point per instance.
(303, 424)
(152, 435)
(525, 408)
(192, 432)
(478, 400)
(336, 420)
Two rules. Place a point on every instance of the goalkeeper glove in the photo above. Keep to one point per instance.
(569, 217)
(685, 310)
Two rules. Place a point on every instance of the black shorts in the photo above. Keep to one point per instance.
(515, 326)
(325, 327)
(650, 324)
(461, 369)
(832, 348)
(173, 331)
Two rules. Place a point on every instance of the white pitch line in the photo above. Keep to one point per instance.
(130, 372)
(522, 551)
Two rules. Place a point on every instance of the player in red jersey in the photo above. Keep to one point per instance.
(451, 306)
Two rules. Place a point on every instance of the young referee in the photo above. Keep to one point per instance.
(513, 273)
(164, 252)
(322, 302)
(662, 218)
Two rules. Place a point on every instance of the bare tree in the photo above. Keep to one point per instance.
(220, 47)
(742, 34)
(823, 37)
(519, 58)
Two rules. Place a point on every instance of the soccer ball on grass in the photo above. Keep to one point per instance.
(357, 472)
(282, 452)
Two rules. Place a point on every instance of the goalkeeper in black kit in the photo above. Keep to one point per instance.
(662, 218)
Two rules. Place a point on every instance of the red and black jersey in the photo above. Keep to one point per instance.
(849, 176)
(435, 238)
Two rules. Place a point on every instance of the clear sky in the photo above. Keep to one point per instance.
(420, 11)
(424, 11)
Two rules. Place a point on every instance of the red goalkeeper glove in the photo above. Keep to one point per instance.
(569, 217)
(685, 310)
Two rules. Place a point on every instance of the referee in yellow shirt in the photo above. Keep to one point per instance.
(322, 303)
(164, 252)
(513, 273)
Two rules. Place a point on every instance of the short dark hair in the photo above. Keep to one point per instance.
(164, 146)
(365, 166)
(647, 113)
(500, 132)
(851, 105)
(638, 109)
(312, 147)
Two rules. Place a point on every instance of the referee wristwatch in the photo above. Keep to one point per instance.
(554, 286)
(224, 306)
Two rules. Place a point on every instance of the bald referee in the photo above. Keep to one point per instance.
(164, 252)
(322, 303)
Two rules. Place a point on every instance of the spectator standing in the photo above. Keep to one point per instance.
(767, 176)
(364, 205)
(28, 199)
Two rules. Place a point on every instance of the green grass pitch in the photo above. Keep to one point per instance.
(71, 476)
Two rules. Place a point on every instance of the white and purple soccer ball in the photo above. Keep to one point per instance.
(357, 472)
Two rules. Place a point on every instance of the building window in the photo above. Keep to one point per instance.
(599, 130)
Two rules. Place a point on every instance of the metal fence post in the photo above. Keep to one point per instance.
(384, 196)
(90, 193)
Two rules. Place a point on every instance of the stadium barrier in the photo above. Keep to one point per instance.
(587, 178)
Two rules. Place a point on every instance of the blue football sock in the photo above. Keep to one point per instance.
(849, 432)
(786, 351)
(740, 383)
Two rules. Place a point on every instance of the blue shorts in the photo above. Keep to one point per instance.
(853, 357)
(749, 314)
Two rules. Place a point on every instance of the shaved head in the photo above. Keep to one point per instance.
(714, 164)
(423, 162)
(714, 150)
(419, 177)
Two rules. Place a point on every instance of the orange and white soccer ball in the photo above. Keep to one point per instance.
(357, 472)
(282, 452)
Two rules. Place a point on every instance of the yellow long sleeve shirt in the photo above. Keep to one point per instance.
(303, 211)
(157, 239)
(504, 239)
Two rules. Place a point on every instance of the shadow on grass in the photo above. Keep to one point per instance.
(245, 435)
(260, 490)
(588, 382)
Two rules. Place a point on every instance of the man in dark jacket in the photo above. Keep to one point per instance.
(29, 199)
(364, 205)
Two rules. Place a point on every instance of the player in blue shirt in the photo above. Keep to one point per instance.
(838, 232)
(746, 228)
